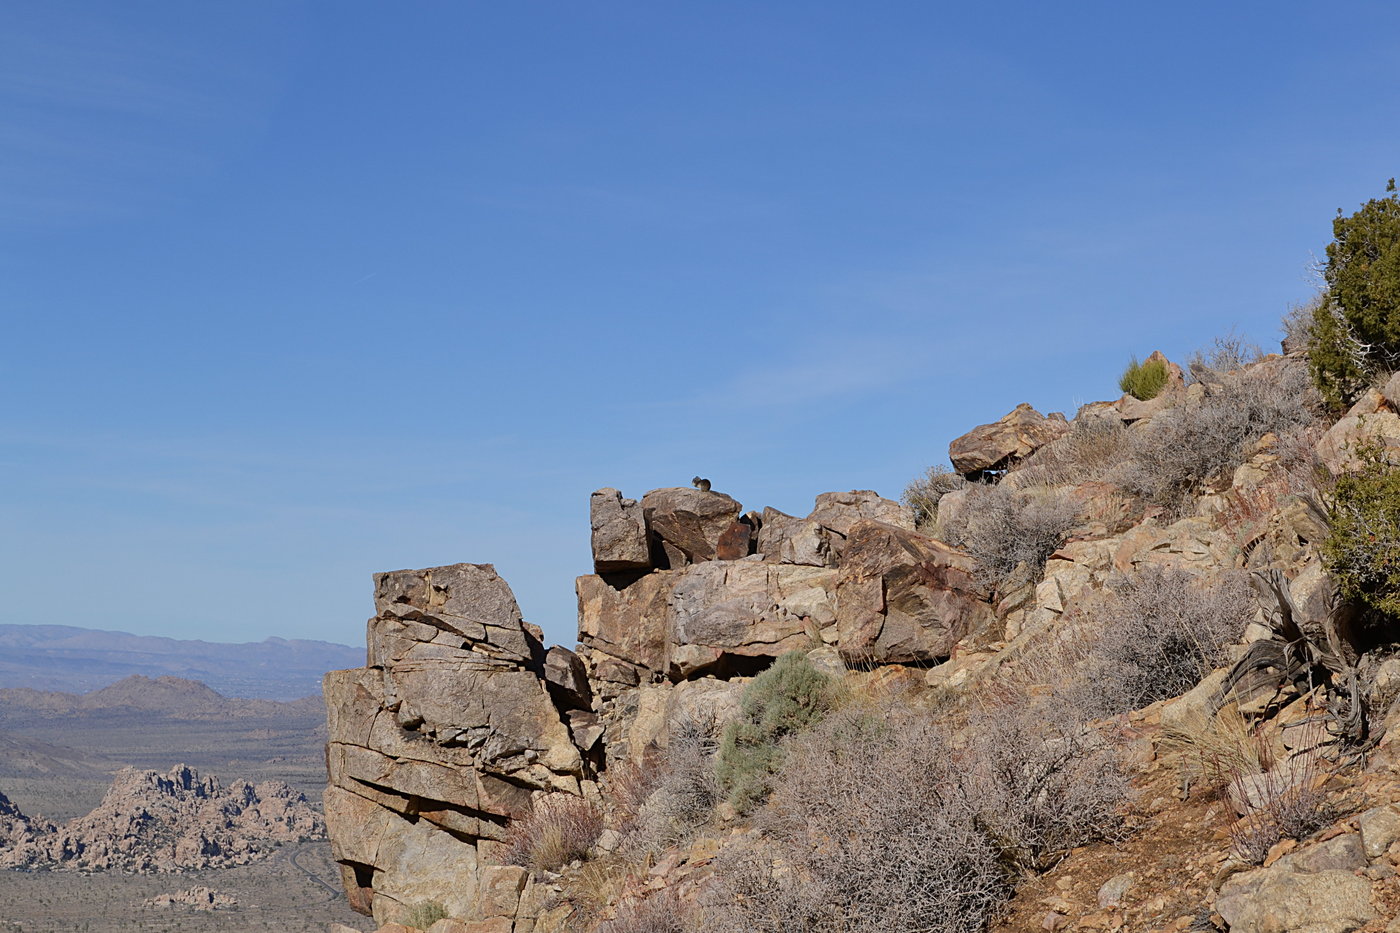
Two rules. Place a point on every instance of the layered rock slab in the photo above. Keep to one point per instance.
(441, 739)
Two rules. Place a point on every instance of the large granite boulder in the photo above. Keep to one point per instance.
(686, 524)
(839, 511)
(627, 624)
(715, 616)
(792, 540)
(904, 597)
(443, 738)
(619, 533)
(1370, 423)
(1013, 437)
(725, 616)
(456, 605)
(1281, 900)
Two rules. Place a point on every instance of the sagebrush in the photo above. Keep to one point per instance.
(789, 697)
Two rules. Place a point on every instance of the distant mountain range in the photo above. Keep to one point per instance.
(79, 660)
(161, 696)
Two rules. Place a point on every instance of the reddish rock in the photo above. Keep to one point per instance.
(904, 597)
(685, 524)
(734, 542)
(628, 623)
(619, 534)
(1011, 438)
(567, 680)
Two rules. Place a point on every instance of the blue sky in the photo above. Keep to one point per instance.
(295, 292)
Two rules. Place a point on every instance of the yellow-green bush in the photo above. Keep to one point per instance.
(1144, 380)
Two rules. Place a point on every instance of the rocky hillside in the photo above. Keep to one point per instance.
(152, 822)
(1105, 673)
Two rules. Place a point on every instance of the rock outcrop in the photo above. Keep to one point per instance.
(462, 725)
(153, 822)
(461, 720)
(18, 830)
(442, 739)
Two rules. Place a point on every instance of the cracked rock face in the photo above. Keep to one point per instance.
(441, 739)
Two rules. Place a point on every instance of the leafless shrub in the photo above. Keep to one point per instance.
(1304, 474)
(592, 888)
(560, 829)
(1043, 780)
(663, 911)
(686, 789)
(1298, 323)
(1091, 451)
(1287, 802)
(885, 821)
(626, 787)
(867, 830)
(1205, 437)
(923, 494)
(1154, 637)
(1006, 528)
(1225, 355)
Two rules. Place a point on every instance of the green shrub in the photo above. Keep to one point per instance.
(1144, 380)
(1356, 330)
(424, 914)
(1362, 549)
(789, 697)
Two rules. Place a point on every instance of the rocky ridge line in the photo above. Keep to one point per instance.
(153, 822)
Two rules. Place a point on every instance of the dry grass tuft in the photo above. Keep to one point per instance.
(561, 829)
